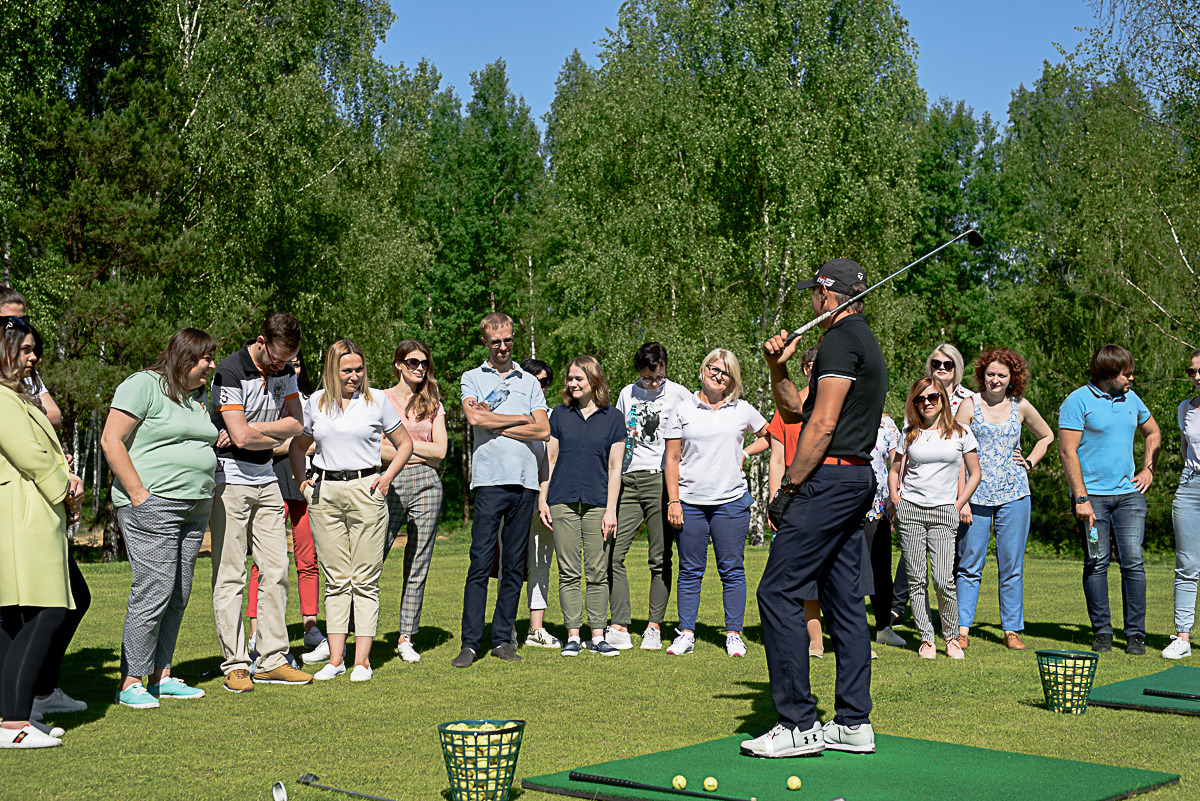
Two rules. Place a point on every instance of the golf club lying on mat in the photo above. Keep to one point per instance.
(576, 776)
(1169, 694)
(974, 239)
(279, 792)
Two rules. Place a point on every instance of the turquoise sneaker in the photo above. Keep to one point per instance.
(171, 687)
(135, 696)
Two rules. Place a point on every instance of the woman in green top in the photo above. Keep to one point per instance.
(159, 444)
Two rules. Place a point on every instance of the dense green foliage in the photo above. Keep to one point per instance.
(203, 162)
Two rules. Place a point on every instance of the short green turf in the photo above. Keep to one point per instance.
(1128, 694)
(902, 769)
(380, 737)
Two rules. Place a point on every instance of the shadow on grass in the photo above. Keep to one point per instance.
(1078, 634)
(87, 679)
(762, 714)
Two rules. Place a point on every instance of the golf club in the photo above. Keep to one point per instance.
(1169, 694)
(279, 792)
(309, 779)
(974, 239)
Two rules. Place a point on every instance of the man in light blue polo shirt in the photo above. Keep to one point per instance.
(507, 412)
(1096, 426)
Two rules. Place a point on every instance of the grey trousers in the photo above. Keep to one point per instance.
(576, 530)
(929, 532)
(162, 537)
(643, 497)
(415, 495)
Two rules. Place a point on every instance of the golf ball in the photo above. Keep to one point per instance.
(793, 782)
(710, 784)
(679, 783)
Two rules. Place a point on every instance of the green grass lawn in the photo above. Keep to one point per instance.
(379, 737)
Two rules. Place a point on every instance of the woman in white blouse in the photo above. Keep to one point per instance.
(346, 495)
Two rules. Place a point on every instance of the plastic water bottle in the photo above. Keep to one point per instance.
(1093, 542)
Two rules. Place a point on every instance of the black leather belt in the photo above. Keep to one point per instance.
(336, 475)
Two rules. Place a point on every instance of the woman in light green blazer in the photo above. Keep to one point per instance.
(38, 497)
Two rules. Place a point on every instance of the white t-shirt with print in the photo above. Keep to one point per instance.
(710, 466)
(645, 413)
(931, 475)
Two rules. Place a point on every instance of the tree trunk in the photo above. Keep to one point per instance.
(112, 545)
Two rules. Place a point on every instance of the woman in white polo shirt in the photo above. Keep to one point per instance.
(707, 494)
(347, 498)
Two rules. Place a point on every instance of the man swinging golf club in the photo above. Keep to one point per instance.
(819, 513)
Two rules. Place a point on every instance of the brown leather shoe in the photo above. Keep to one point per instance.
(238, 681)
(964, 641)
(1013, 641)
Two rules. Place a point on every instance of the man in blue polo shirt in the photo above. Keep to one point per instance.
(1096, 426)
(507, 412)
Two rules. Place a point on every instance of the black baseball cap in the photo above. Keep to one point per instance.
(838, 275)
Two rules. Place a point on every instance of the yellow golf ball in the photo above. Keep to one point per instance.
(793, 782)
(679, 783)
(710, 784)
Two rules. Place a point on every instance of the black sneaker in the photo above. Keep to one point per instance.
(572, 648)
(1103, 644)
(505, 651)
(465, 658)
(1136, 645)
(602, 647)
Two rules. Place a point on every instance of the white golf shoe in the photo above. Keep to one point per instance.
(784, 742)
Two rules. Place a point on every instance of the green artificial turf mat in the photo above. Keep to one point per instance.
(902, 769)
(1128, 694)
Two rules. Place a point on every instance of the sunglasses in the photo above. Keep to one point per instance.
(545, 382)
(16, 322)
(938, 364)
(416, 364)
(1191, 372)
(932, 399)
(496, 343)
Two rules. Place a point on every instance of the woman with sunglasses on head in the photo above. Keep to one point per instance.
(945, 364)
(1185, 519)
(38, 498)
(578, 502)
(416, 492)
(304, 552)
(995, 416)
(347, 506)
(924, 487)
(158, 441)
(707, 495)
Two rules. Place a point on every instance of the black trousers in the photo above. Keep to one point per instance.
(27, 635)
(821, 539)
(513, 505)
(48, 678)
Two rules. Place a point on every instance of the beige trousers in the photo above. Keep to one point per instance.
(255, 514)
(349, 526)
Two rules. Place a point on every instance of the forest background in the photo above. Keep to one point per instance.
(206, 162)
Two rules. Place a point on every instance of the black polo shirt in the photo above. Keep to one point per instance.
(581, 470)
(849, 350)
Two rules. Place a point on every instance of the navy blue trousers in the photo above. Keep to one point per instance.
(514, 505)
(821, 540)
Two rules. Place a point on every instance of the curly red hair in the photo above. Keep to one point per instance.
(1018, 369)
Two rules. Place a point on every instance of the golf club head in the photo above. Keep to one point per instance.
(308, 778)
(974, 238)
(278, 791)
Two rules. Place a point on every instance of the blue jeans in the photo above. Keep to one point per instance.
(1012, 530)
(1120, 519)
(726, 524)
(1185, 517)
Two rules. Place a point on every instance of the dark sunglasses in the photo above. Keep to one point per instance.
(1191, 372)
(16, 322)
(931, 398)
(938, 364)
(545, 382)
(417, 364)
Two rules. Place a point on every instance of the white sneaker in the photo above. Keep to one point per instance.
(361, 673)
(734, 645)
(685, 643)
(329, 672)
(319, 653)
(542, 639)
(57, 703)
(651, 639)
(889, 637)
(784, 742)
(28, 737)
(407, 652)
(313, 637)
(843, 738)
(1178, 649)
(618, 639)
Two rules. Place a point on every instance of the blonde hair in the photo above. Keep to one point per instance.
(955, 357)
(493, 321)
(595, 376)
(331, 396)
(731, 366)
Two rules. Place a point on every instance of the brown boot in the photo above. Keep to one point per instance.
(1013, 641)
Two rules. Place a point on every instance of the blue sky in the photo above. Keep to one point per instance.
(973, 51)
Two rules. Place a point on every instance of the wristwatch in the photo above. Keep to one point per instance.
(787, 485)
(1081, 499)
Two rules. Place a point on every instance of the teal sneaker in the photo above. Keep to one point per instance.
(135, 696)
(171, 687)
